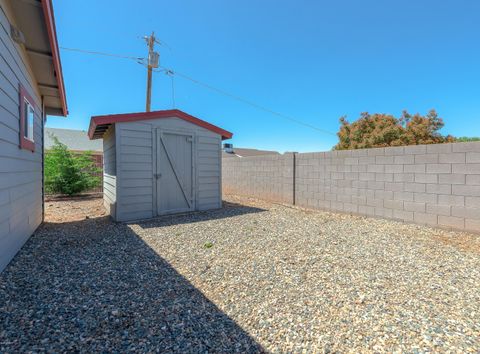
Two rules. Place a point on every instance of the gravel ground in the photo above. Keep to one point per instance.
(253, 276)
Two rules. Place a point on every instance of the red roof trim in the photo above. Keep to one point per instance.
(52, 36)
(132, 117)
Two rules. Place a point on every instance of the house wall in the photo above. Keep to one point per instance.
(110, 171)
(436, 185)
(20, 170)
(136, 150)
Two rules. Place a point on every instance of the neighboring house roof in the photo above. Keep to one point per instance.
(100, 124)
(35, 20)
(242, 152)
(76, 140)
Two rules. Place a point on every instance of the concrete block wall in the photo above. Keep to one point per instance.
(436, 185)
(265, 177)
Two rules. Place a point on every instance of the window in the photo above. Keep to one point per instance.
(27, 119)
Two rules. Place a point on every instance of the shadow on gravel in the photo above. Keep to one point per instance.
(94, 285)
(228, 210)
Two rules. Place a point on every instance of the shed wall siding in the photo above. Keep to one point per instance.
(136, 153)
(20, 170)
(110, 172)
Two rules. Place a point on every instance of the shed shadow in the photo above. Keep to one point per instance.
(228, 210)
(95, 285)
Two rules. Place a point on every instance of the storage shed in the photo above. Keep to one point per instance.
(158, 163)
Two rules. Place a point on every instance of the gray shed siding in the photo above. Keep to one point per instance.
(136, 154)
(110, 172)
(20, 170)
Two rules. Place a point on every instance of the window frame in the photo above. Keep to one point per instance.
(25, 142)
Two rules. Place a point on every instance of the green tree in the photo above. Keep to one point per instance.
(464, 139)
(68, 173)
(381, 130)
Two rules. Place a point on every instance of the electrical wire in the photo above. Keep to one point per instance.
(171, 73)
(102, 53)
(173, 92)
(250, 103)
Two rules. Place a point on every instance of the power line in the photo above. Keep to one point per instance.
(250, 103)
(171, 73)
(102, 53)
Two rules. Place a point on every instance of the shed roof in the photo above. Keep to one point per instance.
(76, 140)
(100, 124)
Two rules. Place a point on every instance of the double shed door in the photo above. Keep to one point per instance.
(175, 172)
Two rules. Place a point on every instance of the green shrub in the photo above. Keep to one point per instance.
(68, 173)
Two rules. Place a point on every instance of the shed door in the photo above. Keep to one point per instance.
(175, 172)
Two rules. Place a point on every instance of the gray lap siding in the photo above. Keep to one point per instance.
(20, 170)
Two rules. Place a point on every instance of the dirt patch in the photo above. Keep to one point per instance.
(462, 241)
(62, 210)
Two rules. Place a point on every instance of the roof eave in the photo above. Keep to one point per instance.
(52, 36)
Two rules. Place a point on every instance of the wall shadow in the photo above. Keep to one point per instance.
(95, 286)
(228, 210)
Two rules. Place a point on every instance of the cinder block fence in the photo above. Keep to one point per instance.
(436, 185)
(267, 177)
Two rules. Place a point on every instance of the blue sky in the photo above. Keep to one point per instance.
(313, 60)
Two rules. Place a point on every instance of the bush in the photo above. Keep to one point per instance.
(381, 130)
(68, 173)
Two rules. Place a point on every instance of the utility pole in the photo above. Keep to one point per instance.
(152, 63)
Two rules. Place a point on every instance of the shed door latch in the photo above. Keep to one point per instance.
(157, 175)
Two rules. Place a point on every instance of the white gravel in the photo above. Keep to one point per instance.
(251, 275)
